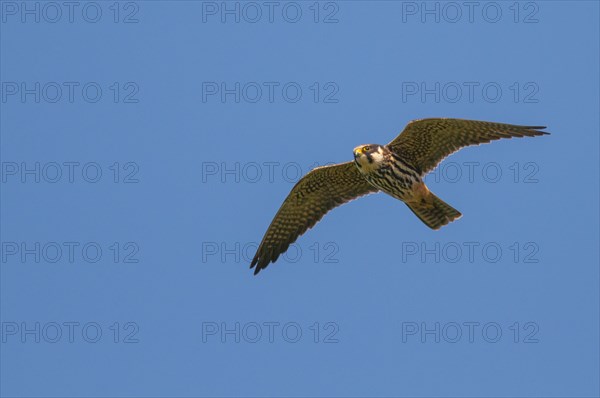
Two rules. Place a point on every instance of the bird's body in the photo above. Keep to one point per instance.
(396, 169)
(387, 171)
(394, 176)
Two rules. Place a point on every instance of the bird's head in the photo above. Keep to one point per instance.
(369, 156)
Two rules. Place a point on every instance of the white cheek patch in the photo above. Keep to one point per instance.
(377, 157)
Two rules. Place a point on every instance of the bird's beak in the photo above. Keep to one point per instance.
(357, 152)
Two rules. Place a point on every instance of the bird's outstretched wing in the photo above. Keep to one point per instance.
(312, 197)
(426, 142)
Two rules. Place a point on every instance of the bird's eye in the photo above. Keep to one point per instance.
(366, 148)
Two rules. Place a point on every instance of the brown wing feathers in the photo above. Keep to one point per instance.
(311, 198)
(426, 142)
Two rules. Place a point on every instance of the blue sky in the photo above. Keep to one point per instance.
(145, 147)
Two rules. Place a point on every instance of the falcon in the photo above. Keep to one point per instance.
(397, 169)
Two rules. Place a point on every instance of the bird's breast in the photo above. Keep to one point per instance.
(394, 178)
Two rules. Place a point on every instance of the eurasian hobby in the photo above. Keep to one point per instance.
(397, 169)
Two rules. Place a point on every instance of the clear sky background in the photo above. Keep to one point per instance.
(146, 146)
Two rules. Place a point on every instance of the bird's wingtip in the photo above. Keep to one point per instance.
(257, 265)
(538, 128)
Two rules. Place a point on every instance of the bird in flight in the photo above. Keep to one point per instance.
(397, 169)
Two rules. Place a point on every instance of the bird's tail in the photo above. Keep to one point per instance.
(433, 211)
